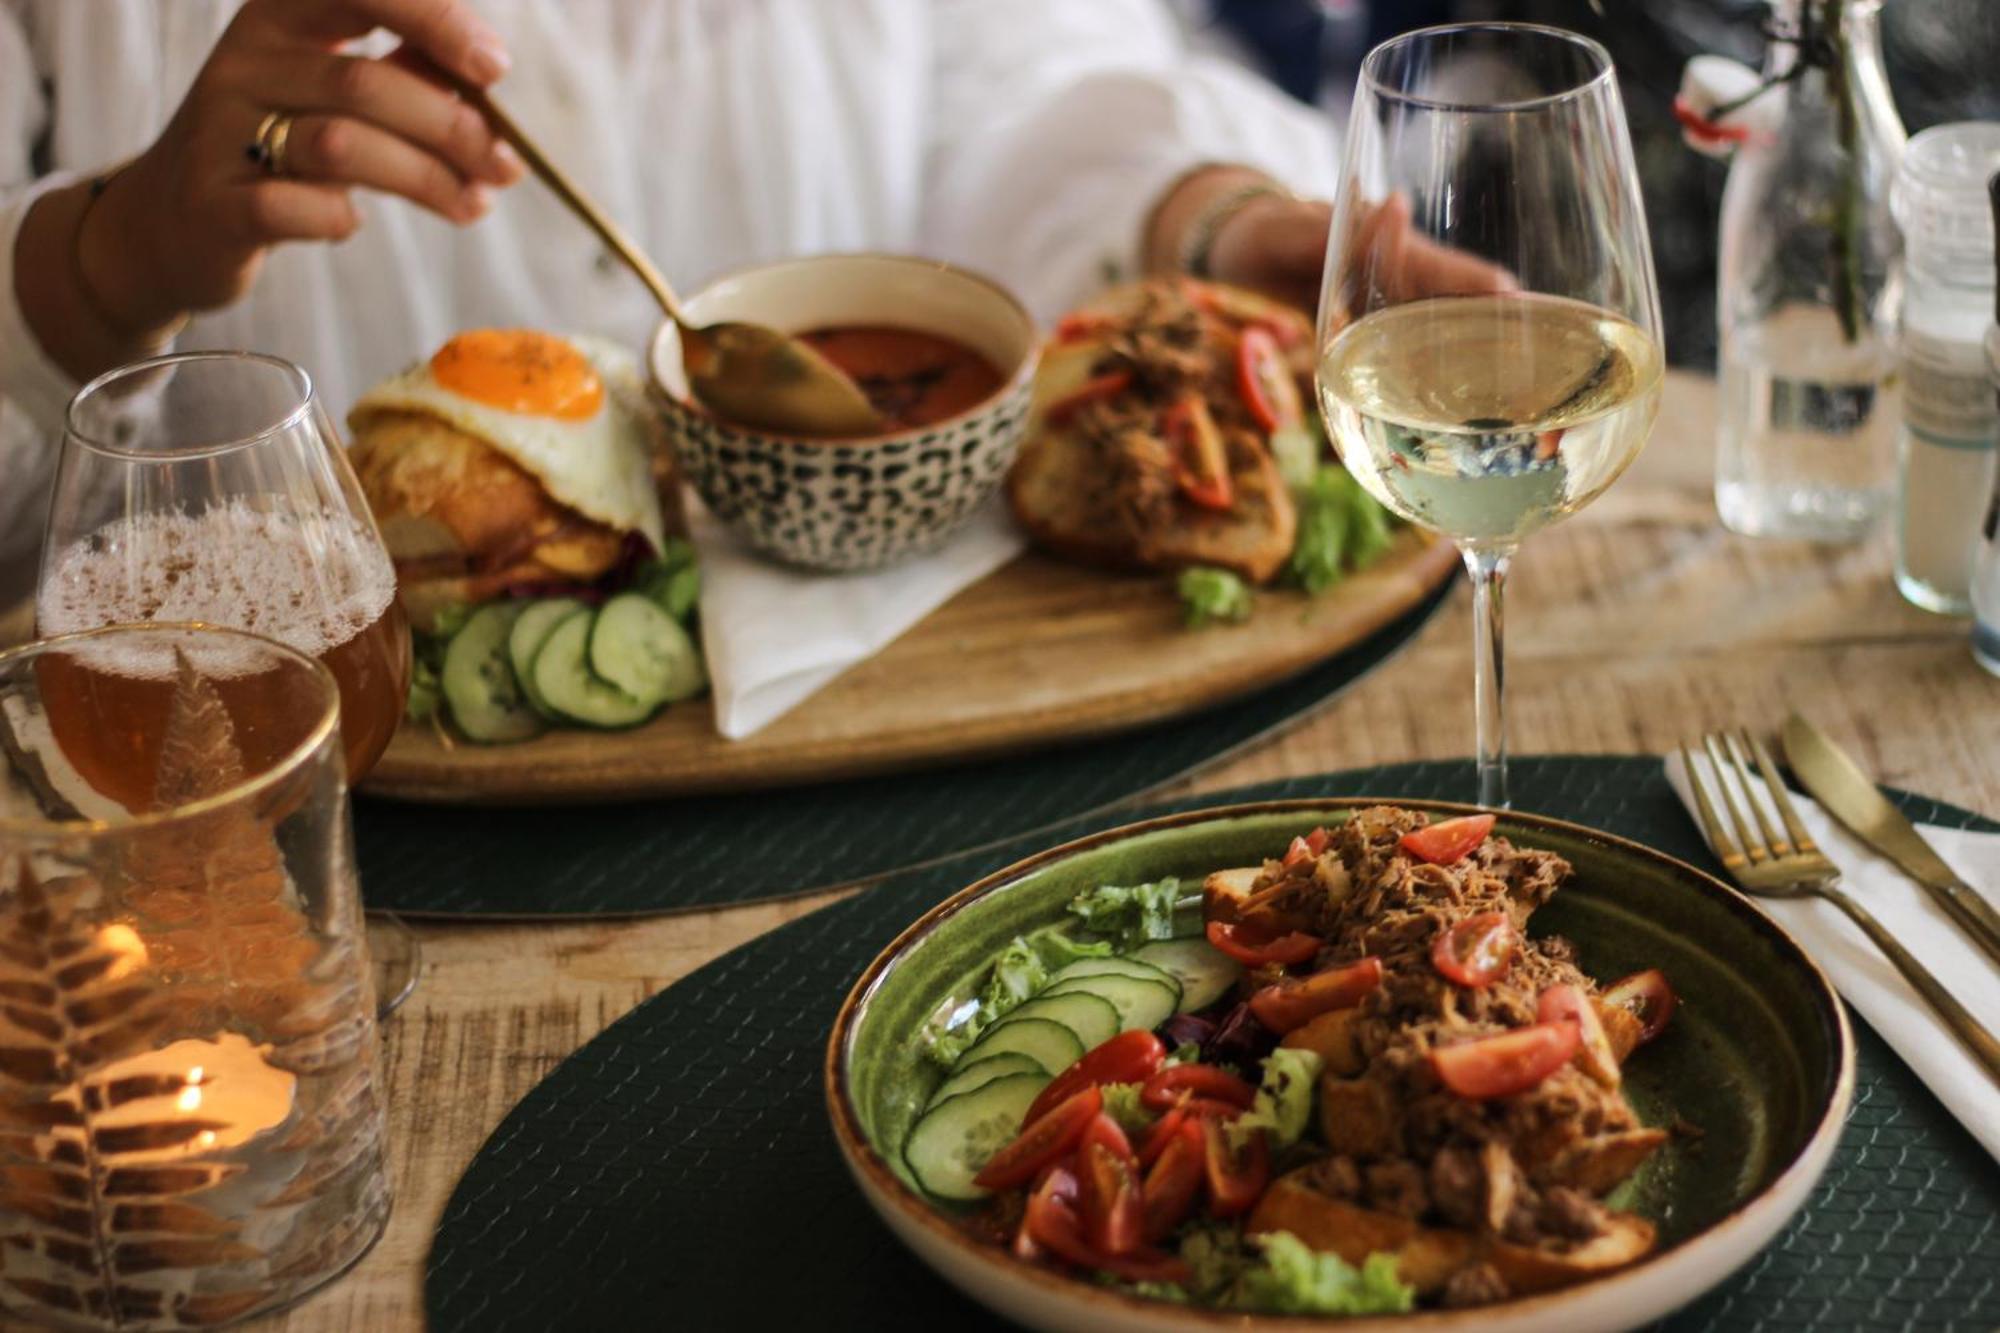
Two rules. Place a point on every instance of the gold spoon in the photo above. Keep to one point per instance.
(746, 373)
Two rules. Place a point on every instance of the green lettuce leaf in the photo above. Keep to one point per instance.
(1341, 528)
(1129, 914)
(1284, 1102)
(1295, 1279)
(1121, 1103)
(1209, 595)
(1277, 1273)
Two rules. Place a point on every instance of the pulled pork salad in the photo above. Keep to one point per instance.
(1341, 1082)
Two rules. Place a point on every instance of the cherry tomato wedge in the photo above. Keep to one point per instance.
(1649, 998)
(1568, 1004)
(1265, 380)
(1444, 843)
(1201, 459)
(1510, 1062)
(1044, 1140)
(1307, 846)
(1475, 952)
(1174, 1183)
(1052, 1222)
(1293, 1004)
(1107, 1200)
(1079, 325)
(1168, 1086)
(1253, 949)
(1236, 1178)
(1104, 1132)
(1129, 1057)
(1093, 390)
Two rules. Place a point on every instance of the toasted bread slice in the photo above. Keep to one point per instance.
(1057, 491)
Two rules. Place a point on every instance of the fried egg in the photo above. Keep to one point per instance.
(569, 410)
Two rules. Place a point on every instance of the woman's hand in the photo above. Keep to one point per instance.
(185, 225)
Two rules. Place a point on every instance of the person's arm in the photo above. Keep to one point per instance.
(1069, 137)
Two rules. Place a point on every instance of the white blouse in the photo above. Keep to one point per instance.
(1025, 138)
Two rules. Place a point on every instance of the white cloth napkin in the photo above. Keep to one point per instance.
(1869, 981)
(774, 635)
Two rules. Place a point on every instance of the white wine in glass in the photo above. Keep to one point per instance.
(1489, 327)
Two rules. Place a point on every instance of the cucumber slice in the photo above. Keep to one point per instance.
(1142, 1003)
(485, 699)
(1119, 967)
(952, 1140)
(1092, 1018)
(1204, 971)
(1048, 1043)
(531, 630)
(641, 649)
(981, 1072)
(563, 679)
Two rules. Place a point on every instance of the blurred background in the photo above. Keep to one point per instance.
(1943, 58)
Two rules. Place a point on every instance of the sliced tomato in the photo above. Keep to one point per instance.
(1236, 1177)
(1129, 1057)
(1104, 1132)
(1447, 842)
(1307, 846)
(1649, 998)
(1507, 1063)
(1174, 1082)
(1568, 1004)
(1163, 1130)
(1052, 1223)
(1093, 390)
(1201, 459)
(1173, 1183)
(1108, 1200)
(1081, 324)
(1145, 1265)
(1253, 949)
(1264, 378)
(1475, 952)
(1044, 1140)
(1293, 1004)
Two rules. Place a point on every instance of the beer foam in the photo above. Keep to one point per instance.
(312, 583)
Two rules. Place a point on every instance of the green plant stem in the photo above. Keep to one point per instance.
(1846, 248)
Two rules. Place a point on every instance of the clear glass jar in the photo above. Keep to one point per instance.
(1945, 449)
(1809, 291)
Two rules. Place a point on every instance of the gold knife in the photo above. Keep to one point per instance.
(1844, 790)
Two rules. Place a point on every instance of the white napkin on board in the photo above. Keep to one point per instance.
(1869, 981)
(774, 635)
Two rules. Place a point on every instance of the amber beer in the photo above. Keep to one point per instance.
(323, 587)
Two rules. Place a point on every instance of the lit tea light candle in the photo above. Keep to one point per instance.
(194, 1096)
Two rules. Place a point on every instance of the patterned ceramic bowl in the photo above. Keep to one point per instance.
(854, 504)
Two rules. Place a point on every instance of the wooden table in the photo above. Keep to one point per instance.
(1631, 627)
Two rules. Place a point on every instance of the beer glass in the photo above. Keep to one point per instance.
(188, 1039)
(211, 487)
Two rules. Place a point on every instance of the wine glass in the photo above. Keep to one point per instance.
(1489, 324)
(211, 487)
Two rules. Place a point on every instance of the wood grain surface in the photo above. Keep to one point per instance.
(1035, 653)
(1636, 624)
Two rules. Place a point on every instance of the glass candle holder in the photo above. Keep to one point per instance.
(191, 1131)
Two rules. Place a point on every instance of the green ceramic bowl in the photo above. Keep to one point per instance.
(1758, 1057)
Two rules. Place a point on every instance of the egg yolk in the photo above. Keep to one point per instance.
(520, 370)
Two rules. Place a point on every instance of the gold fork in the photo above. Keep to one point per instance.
(1786, 864)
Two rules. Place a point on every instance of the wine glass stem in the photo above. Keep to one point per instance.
(1488, 570)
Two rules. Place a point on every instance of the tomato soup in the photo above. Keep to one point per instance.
(913, 379)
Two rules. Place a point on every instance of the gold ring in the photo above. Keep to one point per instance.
(267, 147)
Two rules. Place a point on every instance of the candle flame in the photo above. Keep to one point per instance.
(190, 1098)
(120, 939)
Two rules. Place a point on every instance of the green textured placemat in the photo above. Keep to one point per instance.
(711, 851)
(678, 1171)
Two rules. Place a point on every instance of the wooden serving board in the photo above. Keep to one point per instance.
(1038, 653)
